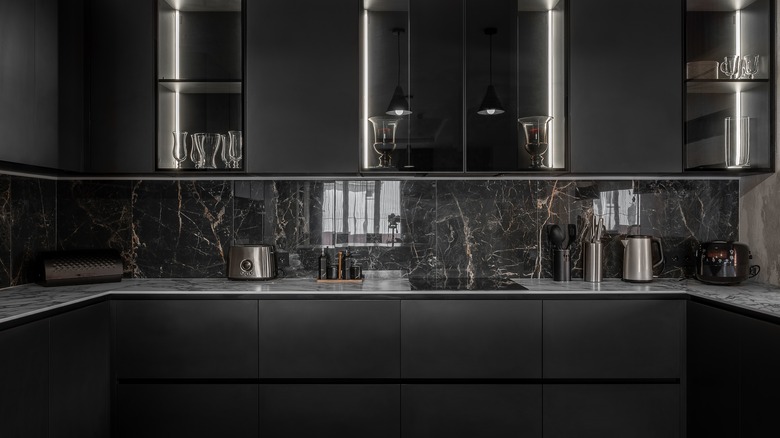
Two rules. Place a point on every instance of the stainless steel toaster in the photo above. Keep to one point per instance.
(252, 262)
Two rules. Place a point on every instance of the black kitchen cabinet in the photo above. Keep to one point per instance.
(186, 339)
(121, 86)
(625, 94)
(732, 373)
(302, 86)
(471, 339)
(79, 387)
(24, 379)
(612, 411)
(33, 99)
(470, 410)
(329, 339)
(344, 410)
(759, 381)
(613, 338)
(185, 409)
(713, 372)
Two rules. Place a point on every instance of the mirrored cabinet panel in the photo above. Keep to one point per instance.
(729, 80)
(515, 85)
(471, 86)
(199, 91)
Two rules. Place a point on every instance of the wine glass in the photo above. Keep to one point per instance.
(750, 65)
(179, 147)
(235, 147)
(731, 66)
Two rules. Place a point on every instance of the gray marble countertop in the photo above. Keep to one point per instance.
(28, 300)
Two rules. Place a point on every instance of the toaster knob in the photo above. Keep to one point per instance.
(247, 265)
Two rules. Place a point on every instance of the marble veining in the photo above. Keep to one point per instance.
(421, 228)
(30, 299)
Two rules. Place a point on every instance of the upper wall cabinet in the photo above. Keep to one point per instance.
(625, 95)
(199, 91)
(41, 98)
(302, 86)
(443, 93)
(730, 85)
(121, 87)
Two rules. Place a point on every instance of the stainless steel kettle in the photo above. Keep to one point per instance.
(638, 260)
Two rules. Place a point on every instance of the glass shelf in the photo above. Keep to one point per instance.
(723, 85)
(202, 87)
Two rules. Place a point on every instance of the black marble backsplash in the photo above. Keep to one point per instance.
(423, 228)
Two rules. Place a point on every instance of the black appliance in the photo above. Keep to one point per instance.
(724, 262)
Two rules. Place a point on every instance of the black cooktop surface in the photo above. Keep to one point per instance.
(486, 284)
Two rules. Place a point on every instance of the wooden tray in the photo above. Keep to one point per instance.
(340, 281)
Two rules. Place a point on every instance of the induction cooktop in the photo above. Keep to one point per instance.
(484, 284)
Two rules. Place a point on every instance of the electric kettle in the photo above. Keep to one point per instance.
(638, 258)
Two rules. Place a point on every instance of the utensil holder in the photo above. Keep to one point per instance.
(592, 253)
(561, 265)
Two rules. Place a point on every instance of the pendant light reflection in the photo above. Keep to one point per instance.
(490, 104)
(399, 106)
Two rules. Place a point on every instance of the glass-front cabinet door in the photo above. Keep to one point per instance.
(729, 76)
(199, 91)
(515, 51)
(465, 86)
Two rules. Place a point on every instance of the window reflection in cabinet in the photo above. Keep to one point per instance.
(729, 77)
(199, 84)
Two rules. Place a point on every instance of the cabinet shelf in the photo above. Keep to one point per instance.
(718, 5)
(230, 86)
(726, 86)
(205, 5)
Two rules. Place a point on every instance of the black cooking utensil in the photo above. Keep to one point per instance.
(556, 236)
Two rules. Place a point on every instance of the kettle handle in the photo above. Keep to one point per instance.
(661, 261)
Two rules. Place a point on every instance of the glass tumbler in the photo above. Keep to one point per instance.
(737, 130)
(196, 153)
(211, 143)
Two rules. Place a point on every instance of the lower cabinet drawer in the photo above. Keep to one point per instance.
(329, 410)
(329, 339)
(186, 338)
(612, 410)
(186, 410)
(471, 339)
(607, 339)
(471, 410)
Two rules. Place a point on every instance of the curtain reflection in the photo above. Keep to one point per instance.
(361, 212)
(619, 208)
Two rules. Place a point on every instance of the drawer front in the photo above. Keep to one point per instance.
(187, 410)
(613, 339)
(329, 339)
(471, 339)
(186, 339)
(330, 410)
(620, 410)
(471, 410)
